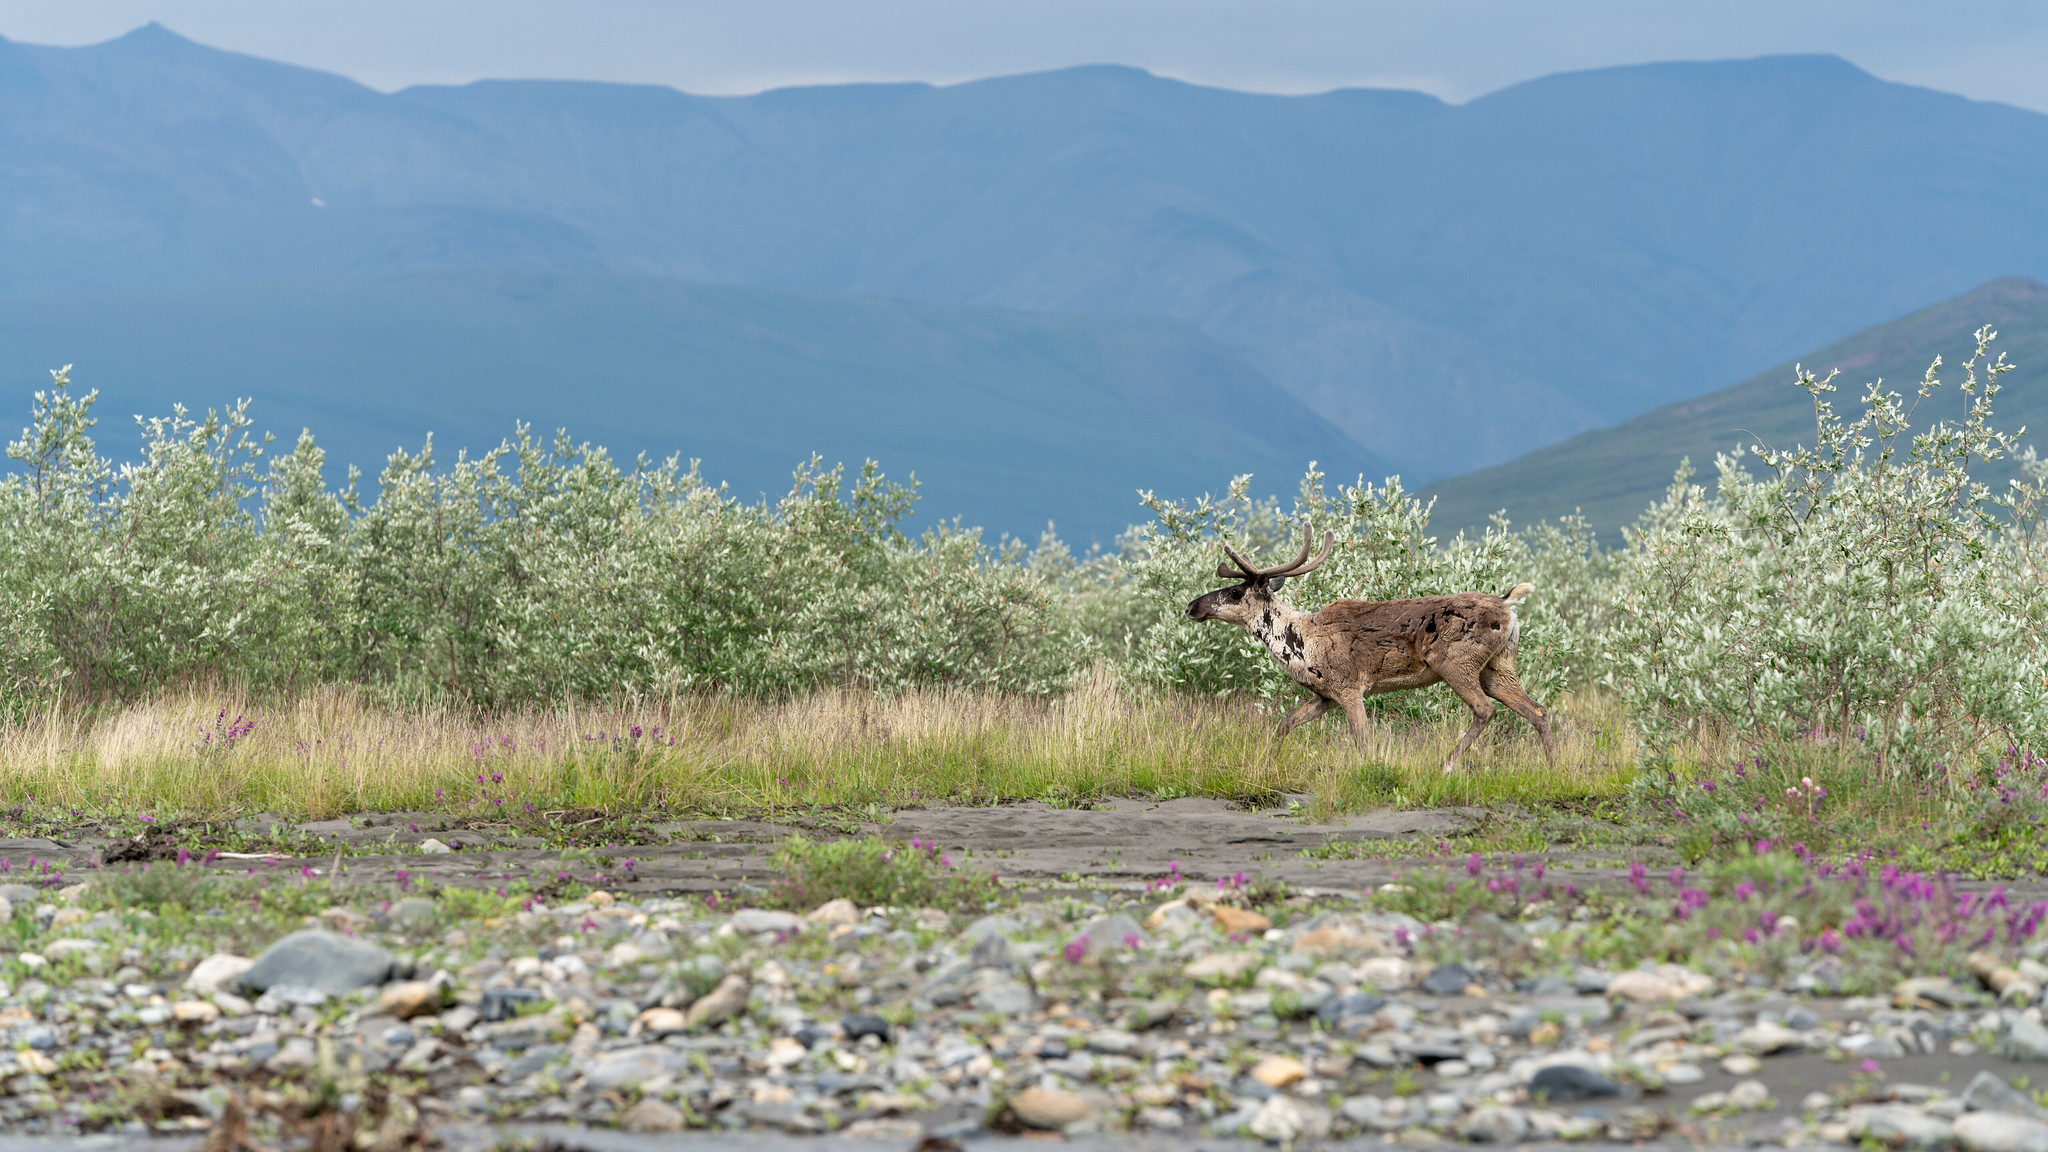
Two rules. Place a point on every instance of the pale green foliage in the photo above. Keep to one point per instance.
(1861, 588)
(1864, 588)
(533, 572)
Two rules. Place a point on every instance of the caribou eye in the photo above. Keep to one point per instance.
(1234, 594)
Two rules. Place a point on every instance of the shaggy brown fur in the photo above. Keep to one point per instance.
(1357, 648)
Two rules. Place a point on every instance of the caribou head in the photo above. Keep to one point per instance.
(1243, 602)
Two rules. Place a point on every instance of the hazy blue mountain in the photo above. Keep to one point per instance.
(1007, 418)
(1450, 286)
(1612, 474)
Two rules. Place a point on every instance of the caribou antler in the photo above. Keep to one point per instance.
(1301, 565)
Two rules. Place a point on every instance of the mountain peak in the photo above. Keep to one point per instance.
(154, 37)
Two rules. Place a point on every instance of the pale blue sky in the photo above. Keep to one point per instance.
(1988, 49)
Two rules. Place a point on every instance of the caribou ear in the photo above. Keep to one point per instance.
(1276, 583)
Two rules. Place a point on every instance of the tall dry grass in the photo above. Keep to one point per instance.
(334, 751)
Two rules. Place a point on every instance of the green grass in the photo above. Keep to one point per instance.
(836, 761)
(829, 759)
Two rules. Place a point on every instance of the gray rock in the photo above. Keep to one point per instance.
(1429, 1051)
(994, 951)
(2026, 1040)
(945, 984)
(1765, 1038)
(1113, 933)
(1872, 1046)
(504, 1003)
(758, 921)
(330, 962)
(861, 1024)
(1749, 1095)
(1006, 997)
(1379, 1055)
(1284, 1119)
(1448, 980)
(19, 895)
(2000, 1132)
(282, 998)
(633, 1065)
(1362, 1110)
(1898, 1125)
(1114, 1041)
(997, 925)
(1494, 1124)
(1575, 1010)
(1591, 981)
(415, 913)
(1344, 1007)
(1564, 1083)
(1990, 1093)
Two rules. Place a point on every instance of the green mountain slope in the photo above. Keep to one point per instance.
(1010, 419)
(1612, 474)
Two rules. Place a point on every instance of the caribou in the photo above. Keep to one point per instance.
(1352, 649)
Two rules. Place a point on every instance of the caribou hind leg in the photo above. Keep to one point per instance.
(1302, 715)
(1466, 685)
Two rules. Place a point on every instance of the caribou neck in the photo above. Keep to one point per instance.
(1284, 632)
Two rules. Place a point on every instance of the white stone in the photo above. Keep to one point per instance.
(434, 847)
(1896, 1125)
(217, 972)
(1493, 1124)
(1225, 966)
(1386, 972)
(757, 921)
(1656, 985)
(2000, 1132)
(1749, 1096)
(1766, 1038)
(1283, 1119)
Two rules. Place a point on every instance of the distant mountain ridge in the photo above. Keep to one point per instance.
(1017, 418)
(1612, 474)
(1450, 287)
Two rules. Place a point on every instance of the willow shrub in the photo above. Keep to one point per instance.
(1865, 591)
(1862, 590)
(534, 572)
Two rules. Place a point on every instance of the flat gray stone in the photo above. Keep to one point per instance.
(1112, 933)
(414, 913)
(2000, 1132)
(1494, 1124)
(328, 961)
(754, 921)
(1990, 1093)
(2026, 1040)
(634, 1065)
(1448, 980)
(1898, 1125)
(994, 925)
(1006, 997)
(1564, 1083)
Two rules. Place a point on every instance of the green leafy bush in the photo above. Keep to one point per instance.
(873, 871)
(1862, 589)
(1863, 593)
(534, 572)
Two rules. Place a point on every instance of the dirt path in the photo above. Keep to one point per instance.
(1127, 844)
